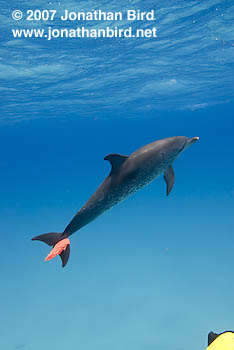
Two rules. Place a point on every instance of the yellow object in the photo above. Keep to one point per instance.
(224, 341)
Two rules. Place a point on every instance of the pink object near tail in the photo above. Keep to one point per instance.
(58, 249)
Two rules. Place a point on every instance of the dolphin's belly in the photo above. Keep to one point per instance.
(133, 180)
(140, 178)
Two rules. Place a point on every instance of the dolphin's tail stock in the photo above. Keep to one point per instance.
(60, 243)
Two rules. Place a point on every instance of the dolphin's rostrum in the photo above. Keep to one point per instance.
(128, 175)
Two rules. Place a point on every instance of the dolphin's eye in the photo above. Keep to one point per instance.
(182, 147)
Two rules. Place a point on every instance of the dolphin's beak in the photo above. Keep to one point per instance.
(191, 141)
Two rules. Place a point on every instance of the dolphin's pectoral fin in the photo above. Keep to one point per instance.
(169, 177)
(116, 160)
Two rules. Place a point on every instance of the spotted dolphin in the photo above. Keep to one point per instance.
(128, 175)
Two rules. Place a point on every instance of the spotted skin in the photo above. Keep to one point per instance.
(128, 175)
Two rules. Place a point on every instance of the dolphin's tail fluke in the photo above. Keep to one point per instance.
(60, 243)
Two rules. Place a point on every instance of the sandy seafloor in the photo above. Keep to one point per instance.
(154, 272)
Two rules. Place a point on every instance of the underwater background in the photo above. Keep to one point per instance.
(155, 272)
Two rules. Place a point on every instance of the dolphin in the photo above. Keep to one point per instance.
(128, 175)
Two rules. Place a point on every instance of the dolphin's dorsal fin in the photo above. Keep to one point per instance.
(169, 177)
(116, 160)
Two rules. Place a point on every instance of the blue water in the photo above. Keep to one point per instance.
(154, 272)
